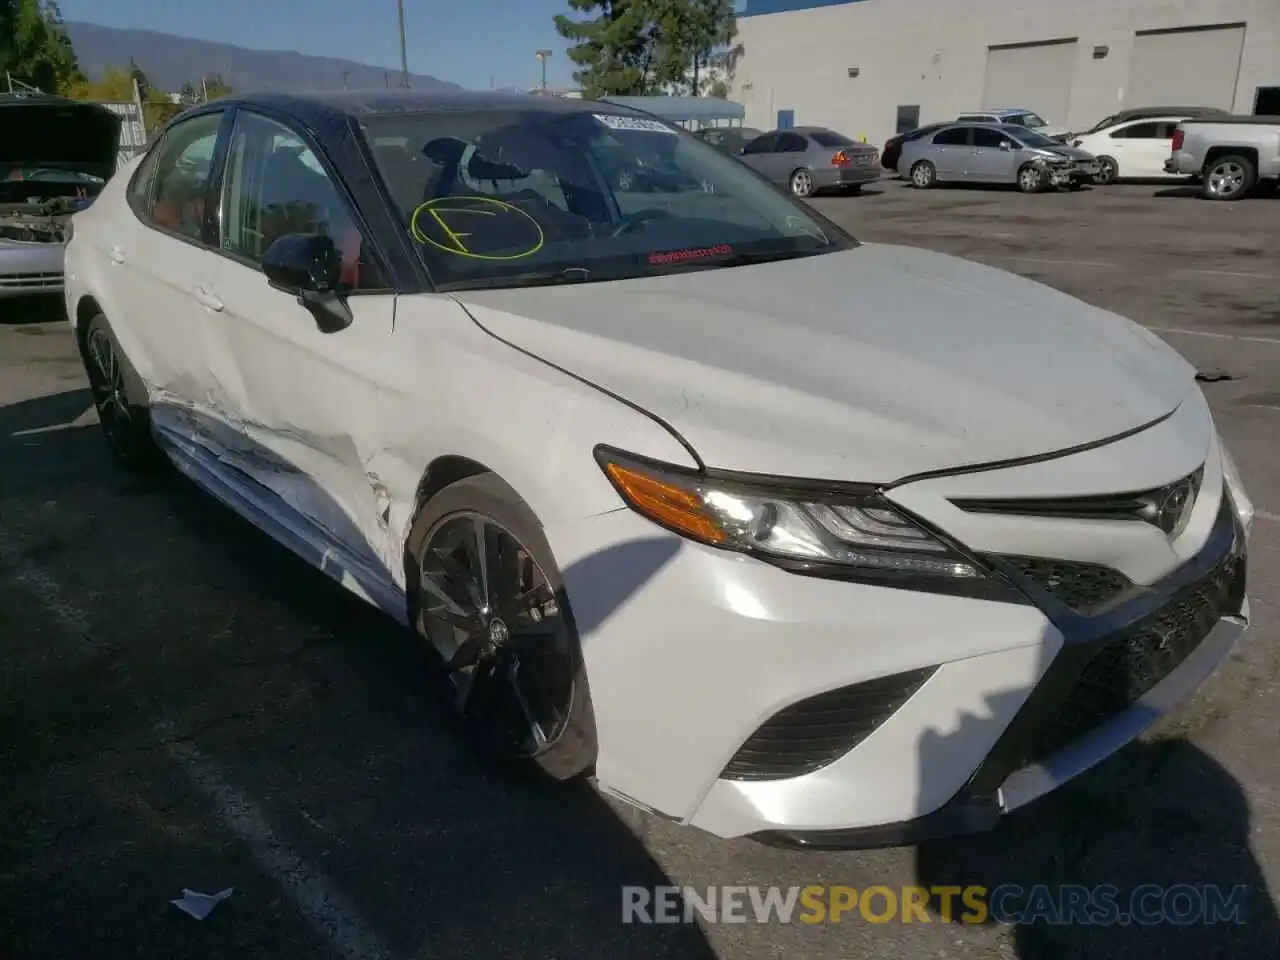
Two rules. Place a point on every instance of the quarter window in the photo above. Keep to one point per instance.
(275, 185)
(176, 200)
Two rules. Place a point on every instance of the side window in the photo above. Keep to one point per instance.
(1164, 131)
(1138, 131)
(180, 179)
(952, 137)
(792, 143)
(275, 185)
(762, 144)
(143, 178)
(986, 137)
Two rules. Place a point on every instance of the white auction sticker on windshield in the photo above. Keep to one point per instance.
(632, 124)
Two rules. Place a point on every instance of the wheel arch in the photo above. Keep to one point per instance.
(1216, 153)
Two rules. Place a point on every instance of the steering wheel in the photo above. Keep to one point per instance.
(631, 221)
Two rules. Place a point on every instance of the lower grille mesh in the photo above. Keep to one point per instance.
(1084, 587)
(808, 735)
(1097, 681)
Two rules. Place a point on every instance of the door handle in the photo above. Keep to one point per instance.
(209, 300)
(116, 254)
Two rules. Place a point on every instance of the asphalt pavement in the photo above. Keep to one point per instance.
(183, 704)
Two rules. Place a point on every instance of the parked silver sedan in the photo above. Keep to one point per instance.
(809, 159)
(994, 153)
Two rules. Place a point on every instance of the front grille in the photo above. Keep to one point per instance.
(1084, 587)
(26, 280)
(808, 735)
(1088, 685)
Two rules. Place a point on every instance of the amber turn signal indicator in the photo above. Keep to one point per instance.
(665, 503)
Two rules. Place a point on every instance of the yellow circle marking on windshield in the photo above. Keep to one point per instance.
(454, 232)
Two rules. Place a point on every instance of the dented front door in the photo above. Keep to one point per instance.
(304, 403)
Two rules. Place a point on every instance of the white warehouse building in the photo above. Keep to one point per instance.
(874, 68)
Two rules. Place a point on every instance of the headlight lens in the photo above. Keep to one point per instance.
(854, 530)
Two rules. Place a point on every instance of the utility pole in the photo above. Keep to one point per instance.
(543, 56)
(404, 56)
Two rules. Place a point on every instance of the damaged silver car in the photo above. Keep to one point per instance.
(55, 157)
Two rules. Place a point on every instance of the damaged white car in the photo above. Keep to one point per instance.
(772, 532)
(55, 157)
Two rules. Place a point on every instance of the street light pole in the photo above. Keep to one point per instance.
(542, 56)
(404, 56)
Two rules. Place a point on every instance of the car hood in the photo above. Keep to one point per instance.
(1071, 153)
(59, 133)
(867, 365)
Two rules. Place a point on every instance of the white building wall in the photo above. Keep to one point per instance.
(934, 52)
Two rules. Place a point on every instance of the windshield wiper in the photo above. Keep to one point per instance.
(531, 278)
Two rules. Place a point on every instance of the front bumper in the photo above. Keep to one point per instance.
(747, 701)
(27, 268)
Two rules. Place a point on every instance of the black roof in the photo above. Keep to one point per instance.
(324, 106)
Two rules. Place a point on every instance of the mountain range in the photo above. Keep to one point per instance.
(170, 61)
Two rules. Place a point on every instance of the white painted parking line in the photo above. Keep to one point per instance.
(1214, 336)
(1266, 515)
(1060, 263)
(321, 904)
(1229, 273)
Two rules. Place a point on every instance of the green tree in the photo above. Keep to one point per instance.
(714, 30)
(188, 93)
(34, 48)
(613, 49)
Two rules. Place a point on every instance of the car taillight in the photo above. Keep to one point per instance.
(1177, 139)
(841, 159)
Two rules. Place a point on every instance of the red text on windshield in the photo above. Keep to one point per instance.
(696, 253)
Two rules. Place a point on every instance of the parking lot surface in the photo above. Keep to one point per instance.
(185, 705)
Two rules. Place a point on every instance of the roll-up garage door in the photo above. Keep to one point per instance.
(1034, 76)
(1197, 67)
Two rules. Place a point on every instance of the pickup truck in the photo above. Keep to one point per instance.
(1231, 156)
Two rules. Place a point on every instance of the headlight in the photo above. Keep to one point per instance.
(795, 525)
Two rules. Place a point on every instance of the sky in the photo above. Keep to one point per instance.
(474, 43)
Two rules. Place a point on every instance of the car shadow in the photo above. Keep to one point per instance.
(314, 702)
(1145, 856)
(32, 308)
(1193, 192)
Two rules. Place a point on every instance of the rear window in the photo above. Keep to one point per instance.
(825, 138)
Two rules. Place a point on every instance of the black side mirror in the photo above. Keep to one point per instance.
(309, 266)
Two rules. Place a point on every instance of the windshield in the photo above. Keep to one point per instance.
(522, 197)
(1032, 139)
(1027, 120)
(1104, 123)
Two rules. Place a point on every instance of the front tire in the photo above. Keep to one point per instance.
(1031, 179)
(802, 183)
(120, 400)
(1108, 171)
(1228, 178)
(485, 593)
(923, 175)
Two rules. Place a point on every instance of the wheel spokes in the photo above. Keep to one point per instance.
(512, 672)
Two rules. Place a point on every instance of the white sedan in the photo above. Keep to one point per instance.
(771, 532)
(1131, 149)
